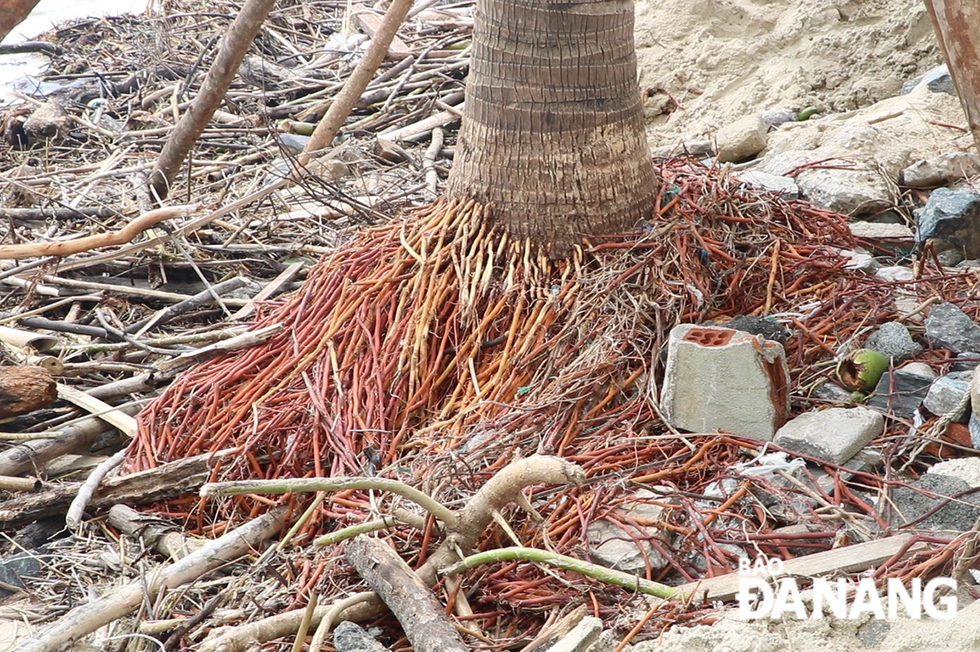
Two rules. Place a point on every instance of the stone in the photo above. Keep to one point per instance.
(613, 547)
(900, 392)
(957, 515)
(949, 257)
(952, 216)
(832, 393)
(785, 187)
(741, 140)
(945, 396)
(350, 637)
(775, 117)
(920, 369)
(834, 435)
(719, 378)
(936, 80)
(767, 328)
(965, 361)
(850, 192)
(940, 171)
(581, 638)
(948, 327)
(881, 231)
(696, 148)
(966, 469)
(973, 427)
(860, 261)
(895, 273)
(894, 341)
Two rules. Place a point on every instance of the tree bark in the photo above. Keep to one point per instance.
(413, 603)
(25, 389)
(12, 13)
(957, 25)
(552, 132)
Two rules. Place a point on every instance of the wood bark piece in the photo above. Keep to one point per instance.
(957, 25)
(122, 236)
(415, 606)
(234, 44)
(176, 478)
(117, 603)
(849, 559)
(113, 416)
(13, 13)
(371, 23)
(25, 389)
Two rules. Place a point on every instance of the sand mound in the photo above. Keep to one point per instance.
(723, 59)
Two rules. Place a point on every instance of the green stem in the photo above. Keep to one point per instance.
(297, 485)
(352, 531)
(601, 573)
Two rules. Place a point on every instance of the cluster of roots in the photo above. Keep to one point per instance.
(433, 350)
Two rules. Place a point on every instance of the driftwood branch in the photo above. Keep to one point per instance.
(122, 236)
(414, 605)
(231, 51)
(117, 603)
(347, 98)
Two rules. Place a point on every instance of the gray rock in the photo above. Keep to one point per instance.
(832, 393)
(292, 142)
(940, 171)
(581, 638)
(880, 231)
(741, 140)
(936, 80)
(615, 548)
(947, 327)
(861, 261)
(952, 216)
(894, 341)
(900, 392)
(974, 425)
(771, 330)
(957, 515)
(920, 369)
(851, 192)
(965, 361)
(834, 435)
(949, 257)
(785, 187)
(945, 396)
(349, 637)
(966, 469)
(966, 264)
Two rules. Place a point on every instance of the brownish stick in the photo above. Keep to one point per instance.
(122, 236)
(414, 605)
(231, 51)
(348, 96)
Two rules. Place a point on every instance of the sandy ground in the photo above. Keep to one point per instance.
(725, 59)
(959, 634)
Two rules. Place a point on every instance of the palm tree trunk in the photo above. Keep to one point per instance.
(552, 133)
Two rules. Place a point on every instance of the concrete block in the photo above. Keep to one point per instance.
(834, 435)
(723, 379)
(966, 469)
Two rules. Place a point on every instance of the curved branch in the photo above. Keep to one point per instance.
(297, 485)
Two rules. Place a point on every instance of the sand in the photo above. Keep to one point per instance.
(725, 59)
